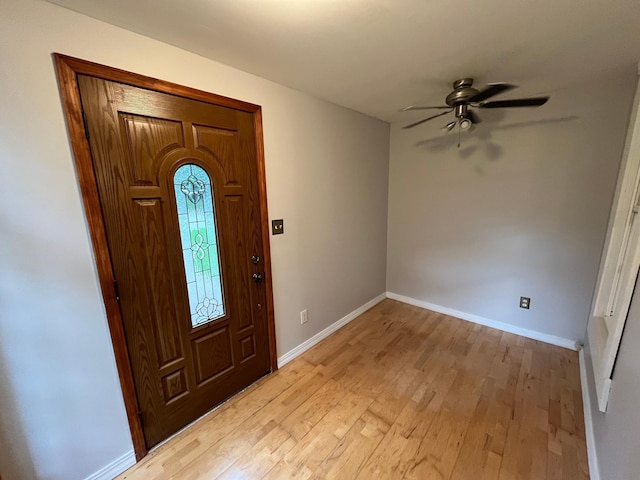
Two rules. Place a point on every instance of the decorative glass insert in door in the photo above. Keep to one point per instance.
(196, 217)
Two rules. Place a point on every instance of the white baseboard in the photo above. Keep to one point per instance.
(115, 468)
(594, 472)
(318, 337)
(525, 332)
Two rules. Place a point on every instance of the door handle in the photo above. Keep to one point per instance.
(257, 277)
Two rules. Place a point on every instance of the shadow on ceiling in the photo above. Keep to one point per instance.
(481, 136)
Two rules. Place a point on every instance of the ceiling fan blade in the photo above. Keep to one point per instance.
(520, 102)
(490, 91)
(413, 107)
(427, 119)
(471, 115)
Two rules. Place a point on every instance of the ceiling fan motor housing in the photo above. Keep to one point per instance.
(462, 93)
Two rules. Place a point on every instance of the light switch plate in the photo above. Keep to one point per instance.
(277, 227)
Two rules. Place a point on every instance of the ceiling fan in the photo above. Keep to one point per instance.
(464, 97)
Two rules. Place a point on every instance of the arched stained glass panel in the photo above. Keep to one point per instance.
(196, 218)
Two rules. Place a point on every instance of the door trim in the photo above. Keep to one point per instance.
(68, 68)
(618, 265)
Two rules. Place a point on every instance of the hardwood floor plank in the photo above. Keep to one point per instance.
(392, 457)
(302, 420)
(261, 458)
(347, 458)
(399, 392)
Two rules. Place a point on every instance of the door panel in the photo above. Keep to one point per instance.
(139, 139)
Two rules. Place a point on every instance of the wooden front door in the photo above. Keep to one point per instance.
(178, 187)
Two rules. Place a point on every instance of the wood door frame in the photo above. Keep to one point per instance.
(68, 68)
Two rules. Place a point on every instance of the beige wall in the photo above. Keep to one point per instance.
(62, 415)
(519, 210)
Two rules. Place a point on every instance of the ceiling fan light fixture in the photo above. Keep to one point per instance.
(465, 123)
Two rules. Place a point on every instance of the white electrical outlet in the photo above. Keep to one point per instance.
(304, 316)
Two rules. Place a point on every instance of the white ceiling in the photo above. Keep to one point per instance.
(376, 56)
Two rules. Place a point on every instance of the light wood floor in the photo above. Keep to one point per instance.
(400, 392)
